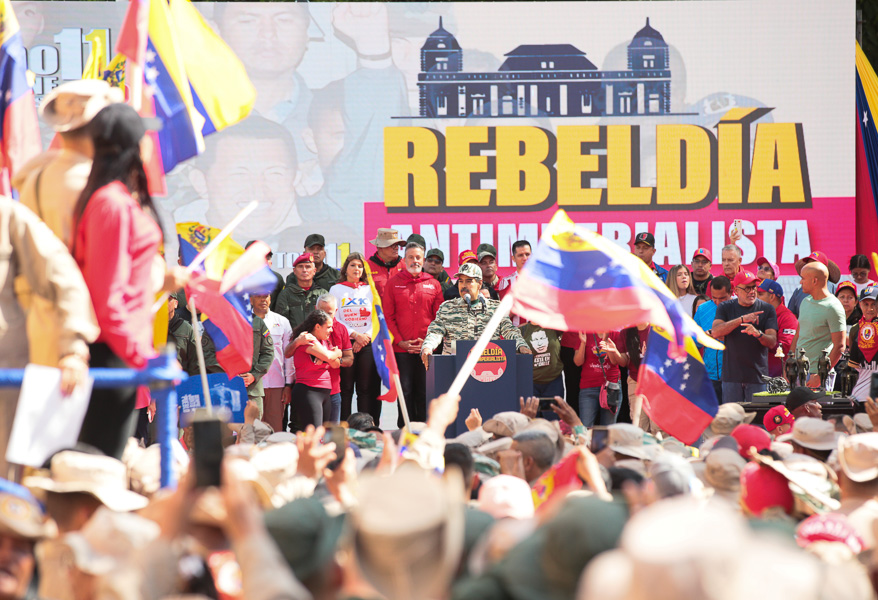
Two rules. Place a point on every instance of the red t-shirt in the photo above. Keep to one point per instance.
(310, 370)
(592, 376)
(339, 338)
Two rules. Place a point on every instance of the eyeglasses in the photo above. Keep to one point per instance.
(750, 289)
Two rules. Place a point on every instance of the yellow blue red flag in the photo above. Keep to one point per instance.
(382, 346)
(577, 280)
(867, 155)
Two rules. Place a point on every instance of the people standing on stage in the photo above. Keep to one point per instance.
(300, 295)
(386, 262)
(787, 325)
(644, 249)
(339, 338)
(277, 383)
(701, 263)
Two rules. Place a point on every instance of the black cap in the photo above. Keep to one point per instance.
(117, 127)
(645, 238)
(314, 238)
(418, 239)
(801, 396)
(435, 252)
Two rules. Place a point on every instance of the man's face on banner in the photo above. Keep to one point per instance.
(247, 169)
(270, 39)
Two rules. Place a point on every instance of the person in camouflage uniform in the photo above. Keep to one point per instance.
(455, 321)
(300, 295)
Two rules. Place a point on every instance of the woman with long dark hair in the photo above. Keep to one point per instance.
(354, 298)
(310, 397)
(115, 243)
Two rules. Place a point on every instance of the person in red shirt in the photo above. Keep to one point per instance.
(116, 240)
(341, 339)
(313, 360)
(520, 253)
(385, 263)
(411, 299)
(787, 325)
(597, 369)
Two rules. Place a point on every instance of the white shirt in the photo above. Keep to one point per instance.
(282, 370)
(354, 307)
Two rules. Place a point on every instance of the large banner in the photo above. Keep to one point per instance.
(473, 122)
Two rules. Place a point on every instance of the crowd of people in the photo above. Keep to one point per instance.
(565, 499)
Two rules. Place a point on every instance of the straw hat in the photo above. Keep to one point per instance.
(74, 104)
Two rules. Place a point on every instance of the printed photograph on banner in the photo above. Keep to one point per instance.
(471, 123)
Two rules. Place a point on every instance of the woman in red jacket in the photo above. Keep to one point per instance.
(116, 242)
(313, 359)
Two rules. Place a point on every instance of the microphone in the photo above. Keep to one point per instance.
(469, 301)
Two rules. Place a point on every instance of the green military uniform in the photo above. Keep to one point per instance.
(454, 321)
(325, 279)
(295, 304)
(182, 335)
(444, 280)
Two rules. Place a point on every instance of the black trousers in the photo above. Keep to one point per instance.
(413, 380)
(364, 376)
(110, 418)
(311, 405)
(572, 377)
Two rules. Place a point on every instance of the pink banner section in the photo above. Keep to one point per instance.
(781, 235)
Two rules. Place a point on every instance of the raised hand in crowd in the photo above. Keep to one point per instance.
(389, 456)
(872, 411)
(176, 278)
(530, 407)
(565, 412)
(314, 455)
(474, 420)
(341, 481)
(443, 412)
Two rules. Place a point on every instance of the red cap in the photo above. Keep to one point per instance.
(466, 256)
(763, 488)
(829, 528)
(777, 416)
(818, 256)
(703, 252)
(303, 257)
(749, 436)
(744, 278)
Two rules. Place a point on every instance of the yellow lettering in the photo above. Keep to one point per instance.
(623, 168)
(524, 174)
(412, 160)
(732, 155)
(461, 162)
(573, 162)
(778, 175)
(684, 157)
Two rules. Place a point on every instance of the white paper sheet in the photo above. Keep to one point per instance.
(45, 420)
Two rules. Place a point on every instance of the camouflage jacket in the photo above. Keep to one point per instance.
(454, 322)
(295, 303)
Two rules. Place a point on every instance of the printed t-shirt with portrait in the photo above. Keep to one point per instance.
(546, 347)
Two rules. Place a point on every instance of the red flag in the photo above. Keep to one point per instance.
(558, 477)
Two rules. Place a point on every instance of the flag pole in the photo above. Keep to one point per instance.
(481, 344)
(402, 406)
(214, 243)
(199, 351)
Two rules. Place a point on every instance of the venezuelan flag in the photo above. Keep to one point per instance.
(194, 236)
(558, 477)
(382, 346)
(19, 126)
(867, 156)
(576, 280)
(679, 396)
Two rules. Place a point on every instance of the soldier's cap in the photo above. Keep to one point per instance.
(470, 270)
(486, 250)
(303, 257)
(418, 239)
(314, 238)
(435, 252)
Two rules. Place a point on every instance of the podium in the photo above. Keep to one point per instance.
(497, 381)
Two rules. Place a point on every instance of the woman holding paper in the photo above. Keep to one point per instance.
(116, 243)
(313, 357)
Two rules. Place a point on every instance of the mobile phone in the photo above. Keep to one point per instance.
(546, 404)
(736, 226)
(873, 387)
(599, 438)
(336, 435)
(208, 434)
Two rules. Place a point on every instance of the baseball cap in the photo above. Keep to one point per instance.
(834, 271)
(645, 238)
(703, 252)
(118, 126)
(418, 239)
(846, 285)
(314, 238)
(772, 287)
(470, 270)
(750, 436)
(745, 278)
(763, 488)
(435, 252)
(829, 528)
(801, 396)
(774, 268)
(20, 513)
(486, 250)
(869, 292)
(777, 416)
(303, 257)
(858, 456)
(467, 255)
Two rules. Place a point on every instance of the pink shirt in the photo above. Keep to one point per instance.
(114, 245)
(308, 371)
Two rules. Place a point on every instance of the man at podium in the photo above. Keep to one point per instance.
(465, 318)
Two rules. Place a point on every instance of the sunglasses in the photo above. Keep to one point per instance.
(749, 289)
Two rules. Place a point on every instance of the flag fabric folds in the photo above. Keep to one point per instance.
(866, 156)
(559, 476)
(19, 125)
(194, 236)
(197, 83)
(382, 346)
(576, 280)
(679, 395)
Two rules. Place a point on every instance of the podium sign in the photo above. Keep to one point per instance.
(496, 382)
